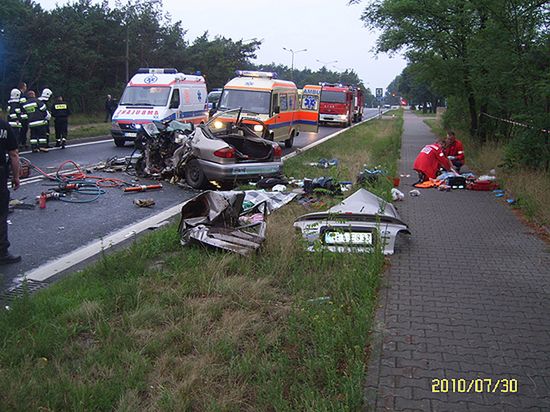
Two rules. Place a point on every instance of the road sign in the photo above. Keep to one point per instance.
(379, 92)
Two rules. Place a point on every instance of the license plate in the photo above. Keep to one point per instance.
(254, 170)
(346, 238)
(130, 134)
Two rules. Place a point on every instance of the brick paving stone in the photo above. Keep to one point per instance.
(466, 296)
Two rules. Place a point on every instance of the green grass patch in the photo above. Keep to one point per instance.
(161, 327)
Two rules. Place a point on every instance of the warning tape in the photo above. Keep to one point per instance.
(515, 123)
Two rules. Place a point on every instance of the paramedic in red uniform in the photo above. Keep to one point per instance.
(429, 160)
(454, 150)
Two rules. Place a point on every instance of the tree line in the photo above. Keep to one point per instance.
(85, 51)
(489, 59)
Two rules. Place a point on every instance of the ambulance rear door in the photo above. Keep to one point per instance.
(308, 112)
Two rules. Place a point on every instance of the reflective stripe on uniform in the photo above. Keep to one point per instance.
(14, 124)
(60, 106)
(42, 140)
(33, 141)
(37, 123)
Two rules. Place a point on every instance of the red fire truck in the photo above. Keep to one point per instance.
(340, 104)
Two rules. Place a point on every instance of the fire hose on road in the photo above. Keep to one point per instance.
(76, 181)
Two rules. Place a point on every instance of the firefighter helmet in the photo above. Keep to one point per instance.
(15, 94)
(46, 94)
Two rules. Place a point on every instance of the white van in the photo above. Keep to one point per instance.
(262, 96)
(159, 94)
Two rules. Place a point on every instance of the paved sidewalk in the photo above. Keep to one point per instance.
(466, 297)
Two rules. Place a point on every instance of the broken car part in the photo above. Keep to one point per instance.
(214, 219)
(354, 225)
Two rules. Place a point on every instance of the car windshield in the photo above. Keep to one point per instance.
(145, 96)
(213, 97)
(333, 97)
(249, 100)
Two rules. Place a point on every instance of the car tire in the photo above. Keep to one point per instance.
(194, 175)
(290, 141)
(119, 142)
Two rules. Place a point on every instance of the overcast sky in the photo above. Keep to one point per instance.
(329, 29)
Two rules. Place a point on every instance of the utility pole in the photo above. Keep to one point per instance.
(127, 54)
(292, 62)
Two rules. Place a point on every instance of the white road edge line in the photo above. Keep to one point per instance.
(72, 145)
(68, 260)
(54, 267)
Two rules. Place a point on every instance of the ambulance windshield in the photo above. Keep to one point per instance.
(251, 101)
(333, 97)
(145, 96)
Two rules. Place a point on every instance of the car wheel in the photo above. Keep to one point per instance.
(290, 141)
(194, 175)
(119, 142)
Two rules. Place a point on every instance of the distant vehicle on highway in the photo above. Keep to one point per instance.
(213, 100)
(158, 95)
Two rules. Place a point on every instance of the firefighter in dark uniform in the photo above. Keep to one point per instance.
(24, 118)
(15, 113)
(8, 146)
(38, 119)
(61, 113)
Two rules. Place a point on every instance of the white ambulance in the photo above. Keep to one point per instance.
(159, 94)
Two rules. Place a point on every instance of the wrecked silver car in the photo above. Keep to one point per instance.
(226, 151)
(357, 224)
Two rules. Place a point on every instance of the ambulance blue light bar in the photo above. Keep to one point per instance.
(144, 70)
(258, 74)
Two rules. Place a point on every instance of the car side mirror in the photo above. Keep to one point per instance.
(276, 110)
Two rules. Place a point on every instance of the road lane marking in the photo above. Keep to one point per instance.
(71, 145)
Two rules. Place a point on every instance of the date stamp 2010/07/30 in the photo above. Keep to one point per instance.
(477, 385)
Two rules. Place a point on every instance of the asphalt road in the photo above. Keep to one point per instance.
(42, 235)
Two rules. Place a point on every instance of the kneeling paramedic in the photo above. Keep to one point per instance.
(428, 162)
(454, 150)
(61, 113)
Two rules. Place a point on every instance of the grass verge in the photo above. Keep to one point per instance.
(528, 187)
(159, 327)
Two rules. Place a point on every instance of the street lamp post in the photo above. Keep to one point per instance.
(292, 64)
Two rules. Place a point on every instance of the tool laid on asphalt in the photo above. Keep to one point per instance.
(142, 188)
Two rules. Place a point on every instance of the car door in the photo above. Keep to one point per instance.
(308, 112)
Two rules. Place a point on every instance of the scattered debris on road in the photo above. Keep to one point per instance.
(144, 202)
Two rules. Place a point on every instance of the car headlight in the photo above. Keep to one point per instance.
(218, 124)
(136, 126)
(258, 128)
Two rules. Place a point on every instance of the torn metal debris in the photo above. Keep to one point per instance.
(359, 223)
(215, 219)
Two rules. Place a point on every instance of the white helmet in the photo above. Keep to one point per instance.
(15, 94)
(46, 94)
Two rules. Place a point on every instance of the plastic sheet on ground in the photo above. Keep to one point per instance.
(358, 224)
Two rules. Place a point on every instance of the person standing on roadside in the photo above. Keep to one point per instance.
(15, 113)
(8, 145)
(454, 150)
(24, 118)
(61, 113)
(110, 107)
(38, 114)
(44, 98)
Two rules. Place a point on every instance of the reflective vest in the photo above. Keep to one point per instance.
(430, 159)
(15, 113)
(61, 110)
(37, 112)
